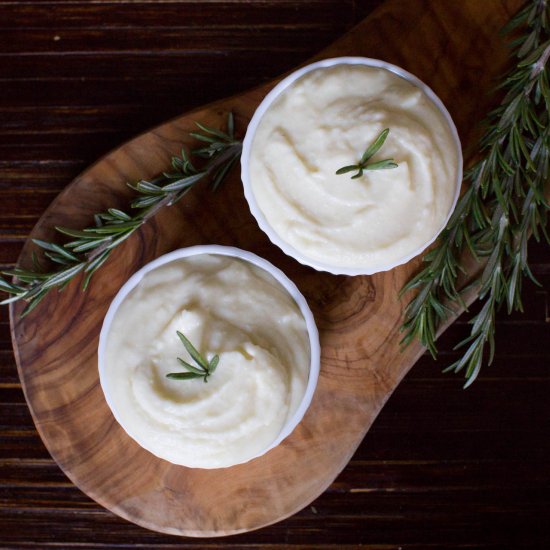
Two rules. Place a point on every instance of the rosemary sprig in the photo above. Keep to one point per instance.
(501, 208)
(89, 248)
(203, 368)
(364, 163)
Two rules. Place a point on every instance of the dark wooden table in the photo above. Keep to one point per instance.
(441, 467)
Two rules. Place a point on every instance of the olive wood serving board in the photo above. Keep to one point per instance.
(456, 49)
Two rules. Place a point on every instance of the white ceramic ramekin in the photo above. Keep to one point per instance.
(249, 138)
(288, 285)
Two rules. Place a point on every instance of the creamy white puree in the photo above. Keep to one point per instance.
(225, 306)
(324, 121)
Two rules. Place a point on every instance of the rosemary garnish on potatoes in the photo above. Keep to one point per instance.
(90, 247)
(203, 369)
(365, 164)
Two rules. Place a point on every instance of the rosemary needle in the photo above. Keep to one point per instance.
(202, 369)
(365, 164)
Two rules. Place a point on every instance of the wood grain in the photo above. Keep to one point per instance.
(404, 430)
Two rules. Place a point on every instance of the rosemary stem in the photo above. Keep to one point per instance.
(166, 201)
(96, 252)
(233, 150)
(91, 247)
(504, 204)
